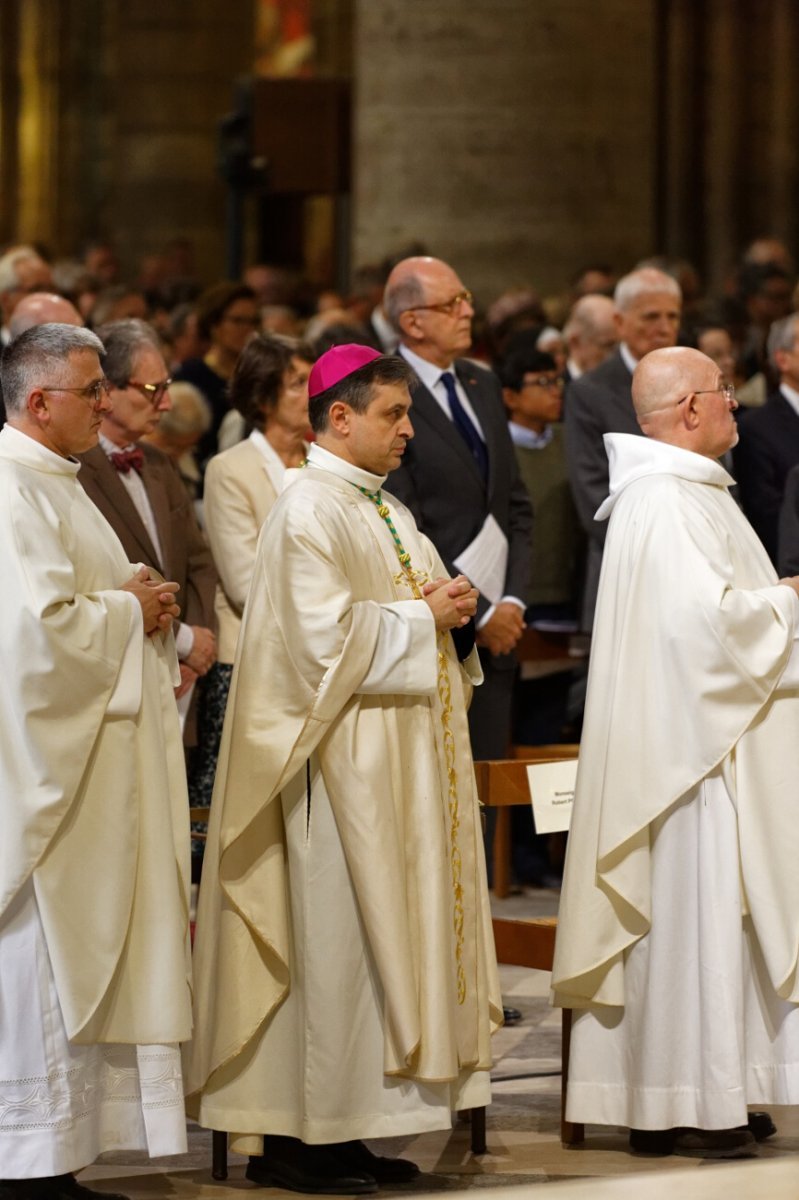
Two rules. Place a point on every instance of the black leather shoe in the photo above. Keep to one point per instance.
(512, 1015)
(66, 1187)
(23, 1189)
(761, 1126)
(715, 1143)
(52, 1187)
(294, 1165)
(652, 1141)
(384, 1170)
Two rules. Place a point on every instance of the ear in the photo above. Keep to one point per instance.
(338, 418)
(690, 413)
(36, 404)
(781, 359)
(409, 325)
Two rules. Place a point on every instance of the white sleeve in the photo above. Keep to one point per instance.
(125, 700)
(789, 680)
(405, 661)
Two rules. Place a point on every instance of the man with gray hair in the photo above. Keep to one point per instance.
(678, 931)
(769, 445)
(648, 305)
(140, 493)
(94, 962)
(460, 477)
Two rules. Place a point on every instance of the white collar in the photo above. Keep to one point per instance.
(528, 438)
(262, 444)
(323, 460)
(429, 374)
(22, 448)
(628, 358)
(112, 448)
(631, 457)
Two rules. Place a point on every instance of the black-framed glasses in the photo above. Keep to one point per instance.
(92, 393)
(544, 381)
(447, 306)
(727, 390)
(151, 391)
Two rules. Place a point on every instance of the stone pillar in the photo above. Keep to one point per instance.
(516, 139)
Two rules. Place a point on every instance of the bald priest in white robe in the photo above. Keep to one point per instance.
(94, 953)
(678, 933)
(346, 983)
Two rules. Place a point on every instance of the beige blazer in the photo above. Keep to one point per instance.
(237, 499)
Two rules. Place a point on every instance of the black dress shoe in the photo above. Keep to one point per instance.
(384, 1170)
(52, 1187)
(715, 1143)
(22, 1189)
(652, 1141)
(66, 1187)
(294, 1165)
(512, 1016)
(761, 1126)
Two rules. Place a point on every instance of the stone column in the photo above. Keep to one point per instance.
(516, 139)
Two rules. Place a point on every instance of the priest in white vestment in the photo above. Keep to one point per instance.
(678, 932)
(346, 977)
(94, 952)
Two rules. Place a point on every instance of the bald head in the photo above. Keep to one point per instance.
(42, 308)
(407, 285)
(665, 376)
(426, 302)
(678, 398)
(590, 332)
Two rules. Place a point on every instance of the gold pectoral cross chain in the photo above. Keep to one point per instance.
(414, 580)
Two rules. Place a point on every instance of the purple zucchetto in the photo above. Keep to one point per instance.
(336, 364)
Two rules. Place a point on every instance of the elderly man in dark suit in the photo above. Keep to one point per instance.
(459, 476)
(769, 443)
(140, 492)
(648, 305)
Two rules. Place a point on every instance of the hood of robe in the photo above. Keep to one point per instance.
(631, 457)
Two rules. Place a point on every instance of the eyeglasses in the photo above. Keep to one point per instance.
(727, 390)
(153, 392)
(544, 381)
(447, 306)
(92, 393)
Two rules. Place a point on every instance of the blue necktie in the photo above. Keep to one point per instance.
(464, 425)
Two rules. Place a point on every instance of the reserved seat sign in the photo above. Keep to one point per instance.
(552, 793)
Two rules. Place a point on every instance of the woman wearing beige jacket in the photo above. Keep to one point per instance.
(270, 389)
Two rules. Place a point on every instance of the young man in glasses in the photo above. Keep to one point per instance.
(678, 933)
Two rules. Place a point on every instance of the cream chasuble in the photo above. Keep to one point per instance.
(689, 755)
(346, 982)
(94, 846)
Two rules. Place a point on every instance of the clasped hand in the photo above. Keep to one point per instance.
(503, 628)
(453, 602)
(157, 600)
